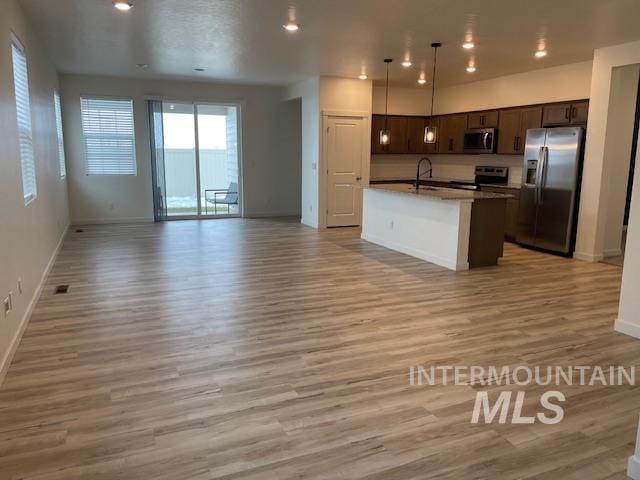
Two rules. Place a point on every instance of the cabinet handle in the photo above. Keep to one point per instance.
(573, 112)
(515, 143)
(566, 113)
(481, 119)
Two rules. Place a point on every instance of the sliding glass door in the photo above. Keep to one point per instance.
(195, 160)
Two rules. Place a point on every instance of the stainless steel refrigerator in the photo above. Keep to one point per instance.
(550, 187)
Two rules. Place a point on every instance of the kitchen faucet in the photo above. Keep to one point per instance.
(418, 174)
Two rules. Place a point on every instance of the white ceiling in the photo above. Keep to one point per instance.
(243, 40)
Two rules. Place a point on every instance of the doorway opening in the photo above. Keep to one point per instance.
(195, 160)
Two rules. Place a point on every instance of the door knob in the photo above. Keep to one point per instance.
(358, 179)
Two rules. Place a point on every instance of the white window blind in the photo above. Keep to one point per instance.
(107, 125)
(58, 109)
(25, 135)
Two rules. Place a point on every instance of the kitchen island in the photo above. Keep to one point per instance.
(456, 229)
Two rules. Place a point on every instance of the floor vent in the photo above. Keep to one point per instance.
(61, 289)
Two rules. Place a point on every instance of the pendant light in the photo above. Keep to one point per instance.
(431, 130)
(385, 134)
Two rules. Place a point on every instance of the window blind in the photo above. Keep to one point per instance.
(107, 125)
(23, 110)
(58, 109)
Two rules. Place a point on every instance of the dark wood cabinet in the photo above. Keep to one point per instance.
(398, 131)
(377, 124)
(415, 134)
(511, 213)
(431, 122)
(556, 115)
(513, 126)
(574, 113)
(486, 119)
(407, 132)
(508, 131)
(579, 113)
(451, 133)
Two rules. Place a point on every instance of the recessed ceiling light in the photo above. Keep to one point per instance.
(471, 69)
(422, 81)
(541, 53)
(291, 27)
(406, 63)
(468, 45)
(363, 76)
(123, 6)
(199, 69)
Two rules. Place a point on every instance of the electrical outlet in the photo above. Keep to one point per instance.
(6, 306)
(19, 286)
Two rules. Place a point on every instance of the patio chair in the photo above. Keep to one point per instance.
(226, 197)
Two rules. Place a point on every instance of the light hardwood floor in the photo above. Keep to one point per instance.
(263, 349)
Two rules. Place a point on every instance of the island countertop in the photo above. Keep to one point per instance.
(441, 193)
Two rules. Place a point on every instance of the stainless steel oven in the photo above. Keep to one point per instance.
(480, 140)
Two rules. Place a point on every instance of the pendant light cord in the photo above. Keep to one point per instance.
(386, 101)
(433, 86)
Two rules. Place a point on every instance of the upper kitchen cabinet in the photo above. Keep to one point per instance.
(398, 131)
(415, 134)
(579, 112)
(397, 127)
(488, 119)
(451, 133)
(574, 113)
(513, 126)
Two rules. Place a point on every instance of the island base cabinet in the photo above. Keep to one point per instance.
(486, 236)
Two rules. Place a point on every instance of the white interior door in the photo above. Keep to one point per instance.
(345, 150)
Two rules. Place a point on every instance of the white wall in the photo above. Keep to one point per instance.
(308, 95)
(29, 235)
(597, 167)
(618, 146)
(320, 95)
(566, 82)
(629, 314)
(270, 146)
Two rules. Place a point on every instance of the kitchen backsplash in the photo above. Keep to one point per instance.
(458, 167)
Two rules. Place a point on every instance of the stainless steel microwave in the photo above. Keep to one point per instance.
(480, 140)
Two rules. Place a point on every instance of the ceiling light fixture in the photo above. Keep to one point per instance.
(431, 130)
(142, 65)
(123, 6)
(540, 53)
(291, 27)
(422, 81)
(468, 45)
(199, 69)
(363, 76)
(406, 63)
(385, 135)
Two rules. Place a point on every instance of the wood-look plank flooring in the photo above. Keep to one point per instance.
(263, 349)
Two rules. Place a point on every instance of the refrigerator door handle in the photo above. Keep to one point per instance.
(543, 173)
(539, 175)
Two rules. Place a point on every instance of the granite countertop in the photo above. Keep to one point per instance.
(514, 186)
(439, 192)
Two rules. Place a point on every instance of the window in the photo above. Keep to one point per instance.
(107, 125)
(23, 110)
(56, 104)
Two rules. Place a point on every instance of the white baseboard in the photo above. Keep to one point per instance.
(273, 215)
(103, 221)
(443, 262)
(5, 363)
(633, 470)
(612, 253)
(628, 328)
(309, 224)
(588, 257)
